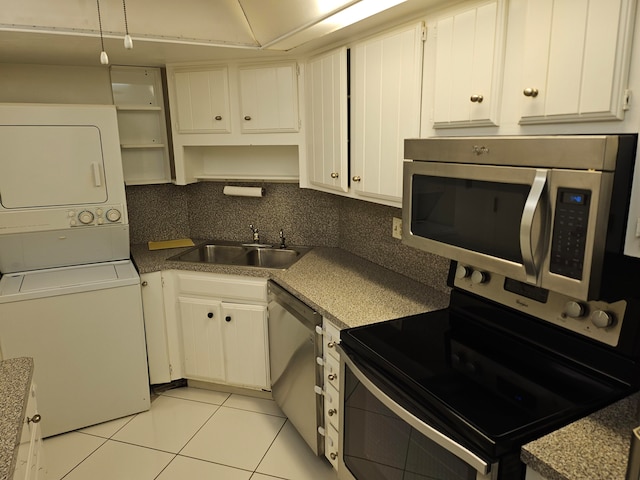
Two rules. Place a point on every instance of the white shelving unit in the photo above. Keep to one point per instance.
(138, 97)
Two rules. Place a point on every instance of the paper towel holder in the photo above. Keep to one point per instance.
(237, 191)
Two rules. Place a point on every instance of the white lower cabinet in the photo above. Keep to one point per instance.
(332, 407)
(221, 325)
(155, 328)
(30, 461)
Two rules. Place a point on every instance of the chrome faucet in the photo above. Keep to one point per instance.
(282, 239)
(256, 235)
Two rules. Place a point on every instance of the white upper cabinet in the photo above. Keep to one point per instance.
(576, 60)
(326, 102)
(468, 66)
(202, 100)
(386, 86)
(269, 98)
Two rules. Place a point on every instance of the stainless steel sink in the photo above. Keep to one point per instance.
(227, 253)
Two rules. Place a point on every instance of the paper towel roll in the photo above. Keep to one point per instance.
(243, 191)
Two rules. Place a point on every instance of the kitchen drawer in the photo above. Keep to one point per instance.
(331, 445)
(331, 337)
(332, 406)
(331, 371)
(222, 287)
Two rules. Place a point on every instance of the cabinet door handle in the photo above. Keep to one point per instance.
(218, 117)
(530, 92)
(228, 318)
(332, 376)
(144, 284)
(333, 455)
(35, 419)
(247, 117)
(476, 98)
(332, 412)
(335, 174)
(331, 344)
(210, 314)
(356, 178)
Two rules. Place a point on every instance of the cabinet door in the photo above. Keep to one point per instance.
(155, 328)
(202, 98)
(576, 60)
(385, 97)
(29, 461)
(327, 143)
(468, 67)
(244, 333)
(202, 345)
(269, 98)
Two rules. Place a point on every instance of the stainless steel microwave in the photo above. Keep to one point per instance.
(542, 210)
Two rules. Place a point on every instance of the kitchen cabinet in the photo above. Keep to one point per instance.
(383, 102)
(469, 47)
(386, 76)
(221, 325)
(533, 475)
(155, 328)
(235, 121)
(139, 100)
(269, 98)
(30, 459)
(202, 100)
(327, 116)
(576, 60)
(332, 404)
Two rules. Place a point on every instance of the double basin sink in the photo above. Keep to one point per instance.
(242, 254)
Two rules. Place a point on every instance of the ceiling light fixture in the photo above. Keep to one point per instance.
(128, 41)
(104, 59)
(349, 14)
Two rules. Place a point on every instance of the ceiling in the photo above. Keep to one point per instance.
(66, 32)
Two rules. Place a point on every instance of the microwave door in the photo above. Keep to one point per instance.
(478, 215)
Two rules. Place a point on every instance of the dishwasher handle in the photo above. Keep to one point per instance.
(303, 312)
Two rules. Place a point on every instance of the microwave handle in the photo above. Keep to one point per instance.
(526, 225)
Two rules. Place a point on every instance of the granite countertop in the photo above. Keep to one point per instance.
(347, 289)
(15, 382)
(595, 447)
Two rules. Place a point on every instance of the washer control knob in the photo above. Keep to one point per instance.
(463, 271)
(602, 319)
(573, 309)
(479, 277)
(85, 217)
(113, 215)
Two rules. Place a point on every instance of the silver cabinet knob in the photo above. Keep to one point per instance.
(218, 117)
(145, 283)
(335, 174)
(331, 344)
(332, 412)
(332, 376)
(530, 92)
(35, 419)
(247, 117)
(476, 98)
(333, 455)
(356, 178)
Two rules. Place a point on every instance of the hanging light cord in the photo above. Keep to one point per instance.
(100, 24)
(126, 25)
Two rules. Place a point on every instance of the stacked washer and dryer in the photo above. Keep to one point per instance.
(69, 294)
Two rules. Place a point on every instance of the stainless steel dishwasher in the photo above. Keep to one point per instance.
(294, 345)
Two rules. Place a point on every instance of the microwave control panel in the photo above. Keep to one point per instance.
(569, 232)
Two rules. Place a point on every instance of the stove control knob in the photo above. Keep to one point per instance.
(573, 309)
(113, 215)
(463, 272)
(602, 319)
(479, 277)
(85, 217)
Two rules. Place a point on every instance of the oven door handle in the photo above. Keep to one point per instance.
(528, 246)
(427, 430)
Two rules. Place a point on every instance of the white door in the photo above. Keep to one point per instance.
(51, 165)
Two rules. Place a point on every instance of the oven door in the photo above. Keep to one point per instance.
(382, 440)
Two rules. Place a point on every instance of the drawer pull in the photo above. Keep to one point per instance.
(332, 376)
(210, 314)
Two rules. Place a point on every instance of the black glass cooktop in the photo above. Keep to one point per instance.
(484, 387)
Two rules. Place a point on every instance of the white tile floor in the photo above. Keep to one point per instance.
(189, 434)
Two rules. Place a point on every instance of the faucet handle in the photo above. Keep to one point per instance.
(282, 239)
(256, 235)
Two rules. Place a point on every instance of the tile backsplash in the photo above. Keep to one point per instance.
(307, 217)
